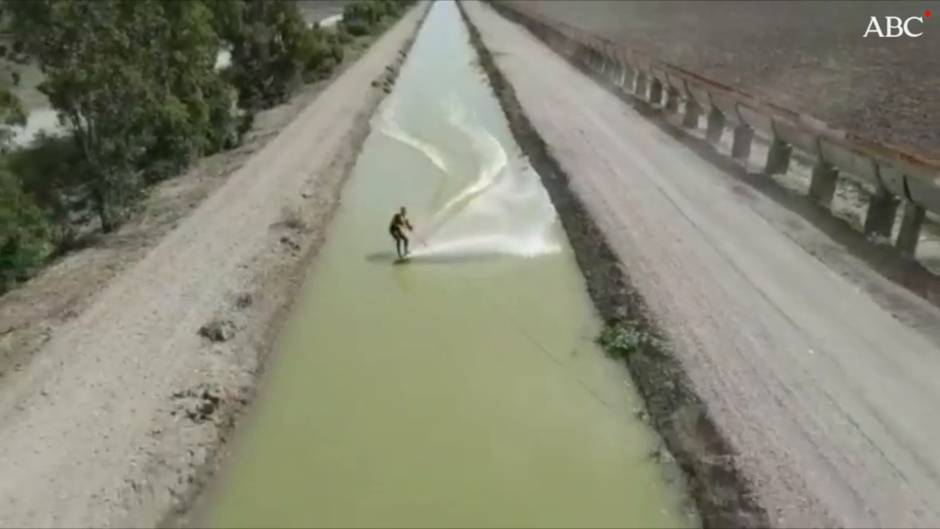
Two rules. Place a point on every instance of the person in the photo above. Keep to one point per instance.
(396, 228)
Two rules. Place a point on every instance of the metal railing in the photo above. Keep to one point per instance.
(892, 175)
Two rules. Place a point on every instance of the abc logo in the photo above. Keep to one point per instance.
(893, 27)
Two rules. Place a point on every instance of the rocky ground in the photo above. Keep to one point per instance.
(809, 56)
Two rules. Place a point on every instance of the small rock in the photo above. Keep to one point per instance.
(375, 83)
(218, 330)
(243, 301)
(200, 403)
(287, 241)
(387, 89)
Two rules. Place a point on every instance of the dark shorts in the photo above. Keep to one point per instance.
(397, 234)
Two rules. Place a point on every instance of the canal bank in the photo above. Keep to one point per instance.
(721, 495)
(462, 388)
(127, 445)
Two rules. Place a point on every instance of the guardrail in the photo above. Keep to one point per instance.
(891, 175)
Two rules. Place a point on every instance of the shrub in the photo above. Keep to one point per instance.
(356, 28)
(25, 233)
(622, 340)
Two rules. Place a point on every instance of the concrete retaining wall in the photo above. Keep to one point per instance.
(893, 176)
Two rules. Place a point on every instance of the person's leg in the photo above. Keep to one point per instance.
(397, 236)
(405, 239)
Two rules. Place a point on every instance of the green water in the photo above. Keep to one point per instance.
(462, 388)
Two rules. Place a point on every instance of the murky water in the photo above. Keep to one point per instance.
(462, 388)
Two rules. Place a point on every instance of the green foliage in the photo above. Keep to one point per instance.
(363, 17)
(356, 27)
(135, 84)
(25, 233)
(273, 50)
(320, 52)
(266, 38)
(622, 340)
(11, 115)
(52, 170)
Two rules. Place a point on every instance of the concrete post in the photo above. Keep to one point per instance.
(741, 147)
(639, 87)
(629, 76)
(672, 100)
(882, 208)
(617, 75)
(716, 125)
(778, 157)
(692, 113)
(823, 185)
(656, 91)
(910, 228)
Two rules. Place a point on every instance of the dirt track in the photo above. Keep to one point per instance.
(116, 417)
(809, 56)
(809, 365)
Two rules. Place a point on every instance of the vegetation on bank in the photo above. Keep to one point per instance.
(622, 339)
(140, 96)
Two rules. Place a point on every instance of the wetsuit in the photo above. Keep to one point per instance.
(395, 228)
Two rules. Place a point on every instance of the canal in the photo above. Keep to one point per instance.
(463, 387)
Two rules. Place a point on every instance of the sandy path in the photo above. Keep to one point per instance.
(827, 398)
(86, 434)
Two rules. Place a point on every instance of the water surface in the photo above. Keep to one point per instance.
(462, 388)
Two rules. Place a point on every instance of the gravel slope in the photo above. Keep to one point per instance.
(123, 407)
(825, 395)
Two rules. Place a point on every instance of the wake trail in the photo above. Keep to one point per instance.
(388, 125)
(504, 210)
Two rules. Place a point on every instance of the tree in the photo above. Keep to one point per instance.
(11, 115)
(134, 82)
(363, 17)
(24, 233)
(196, 110)
(24, 230)
(266, 37)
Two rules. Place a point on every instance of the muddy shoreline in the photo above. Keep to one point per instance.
(722, 495)
(281, 281)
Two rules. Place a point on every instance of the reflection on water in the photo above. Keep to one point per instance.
(40, 119)
(462, 387)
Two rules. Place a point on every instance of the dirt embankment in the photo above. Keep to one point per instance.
(676, 412)
(808, 56)
(127, 365)
(816, 388)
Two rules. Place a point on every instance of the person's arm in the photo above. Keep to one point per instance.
(408, 225)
